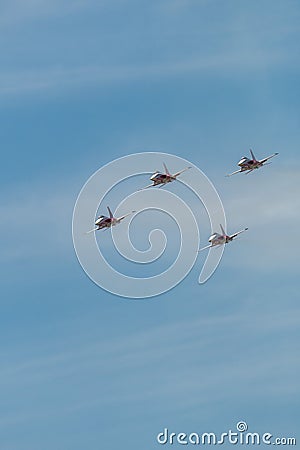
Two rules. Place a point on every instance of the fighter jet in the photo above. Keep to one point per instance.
(220, 239)
(247, 164)
(103, 222)
(162, 179)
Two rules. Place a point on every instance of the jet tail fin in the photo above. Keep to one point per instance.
(166, 169)
(252, 154)
(223, 231)
(110, 213)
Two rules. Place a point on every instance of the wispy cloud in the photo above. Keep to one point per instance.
(35, 221)
(268, 202)
(234, 45)
(66, 78)
(141, 362)
(15, 12)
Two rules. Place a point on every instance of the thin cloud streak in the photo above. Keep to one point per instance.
(143, 359)
(269, 204)
(16, 12)
(58, 78)
(270, 209)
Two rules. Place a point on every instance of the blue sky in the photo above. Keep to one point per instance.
(82, 83)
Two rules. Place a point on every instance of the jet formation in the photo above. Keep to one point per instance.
(161, 179)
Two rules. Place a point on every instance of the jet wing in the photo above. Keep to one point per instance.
(236, 234)
(181, 171)
(268, 157)
(204, 248)
(126, 215)
(146, 187)
(94, 229)
(233, 173)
